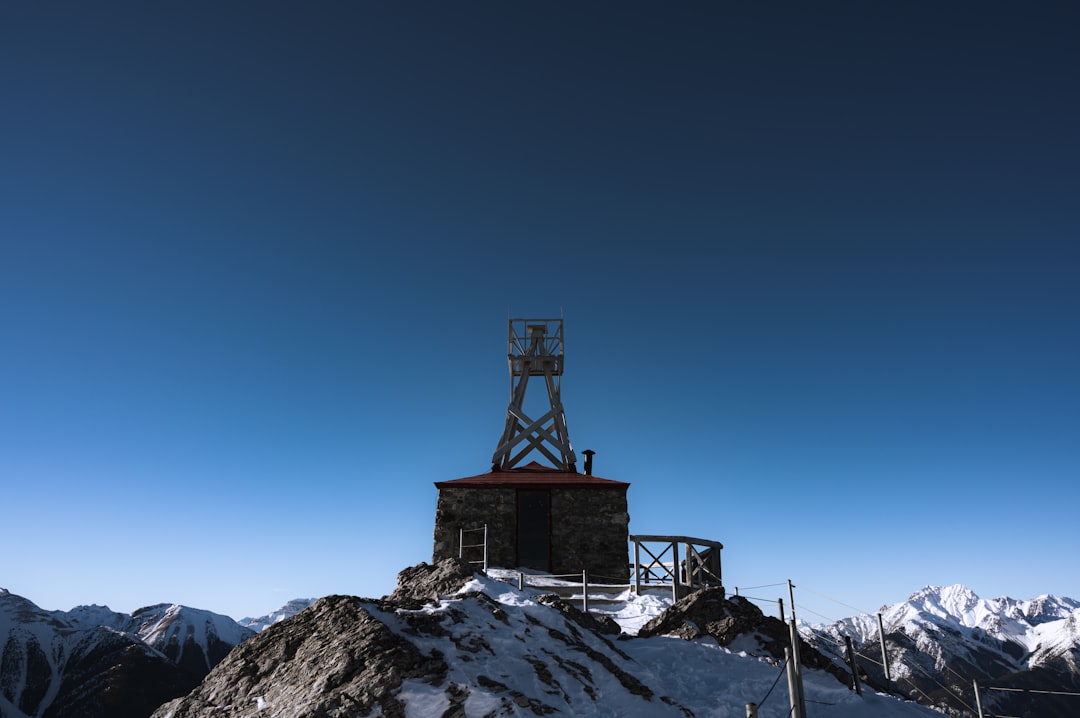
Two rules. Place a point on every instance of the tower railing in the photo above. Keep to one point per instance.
(529, 338)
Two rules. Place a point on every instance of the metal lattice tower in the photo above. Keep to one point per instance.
(535, 348)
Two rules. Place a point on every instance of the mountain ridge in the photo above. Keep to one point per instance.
(93, 661)
(943, 639)
(939, 640)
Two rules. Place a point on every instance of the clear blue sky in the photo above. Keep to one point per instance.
(818, 264)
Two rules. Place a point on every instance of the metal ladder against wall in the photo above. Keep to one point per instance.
(474, 549)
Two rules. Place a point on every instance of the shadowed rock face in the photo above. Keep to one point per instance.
(423, 582)
(332, 659)
(117, 677)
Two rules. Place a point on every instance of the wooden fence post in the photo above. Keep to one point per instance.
(637, 566)
(796, 659)
(854, 666)
(675, 570)
(792, 685)
(884, 654)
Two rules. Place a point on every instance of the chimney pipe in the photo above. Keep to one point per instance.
(588, 461)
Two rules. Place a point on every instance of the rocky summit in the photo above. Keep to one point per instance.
(448, 644)
(332, 659)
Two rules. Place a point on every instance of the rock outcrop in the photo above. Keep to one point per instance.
(737, 624)
(432, 647)
(332, 659)
(425, 583)
(449, 644)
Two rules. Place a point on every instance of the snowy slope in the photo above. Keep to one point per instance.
(1058, 639)
(35, 648)
(536, 653)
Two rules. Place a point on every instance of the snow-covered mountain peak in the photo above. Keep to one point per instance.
(91, 616)
(949, 631)
(165, 625)
(1046, 608)
(958, 608)
(289, 610)
(944, 601)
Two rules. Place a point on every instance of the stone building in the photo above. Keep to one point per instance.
(548, 518)
(538, 517)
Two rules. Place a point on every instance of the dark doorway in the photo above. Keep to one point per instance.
(534, 530)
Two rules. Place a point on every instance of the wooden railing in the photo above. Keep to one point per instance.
(699, 568)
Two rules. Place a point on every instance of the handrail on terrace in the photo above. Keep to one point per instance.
(699, 568)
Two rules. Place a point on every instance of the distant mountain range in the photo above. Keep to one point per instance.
(942, 639)
(289, 610)
(92, 662)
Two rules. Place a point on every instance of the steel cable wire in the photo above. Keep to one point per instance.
(783, 667)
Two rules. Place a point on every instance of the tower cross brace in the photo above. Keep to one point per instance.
(535, 348)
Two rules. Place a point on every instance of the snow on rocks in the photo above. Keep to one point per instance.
(448, 644)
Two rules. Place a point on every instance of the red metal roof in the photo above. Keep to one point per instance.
(533, 475)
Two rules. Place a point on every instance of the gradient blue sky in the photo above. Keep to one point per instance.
(818, 264)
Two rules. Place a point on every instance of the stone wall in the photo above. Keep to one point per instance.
(589, 528)
(471, 508)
